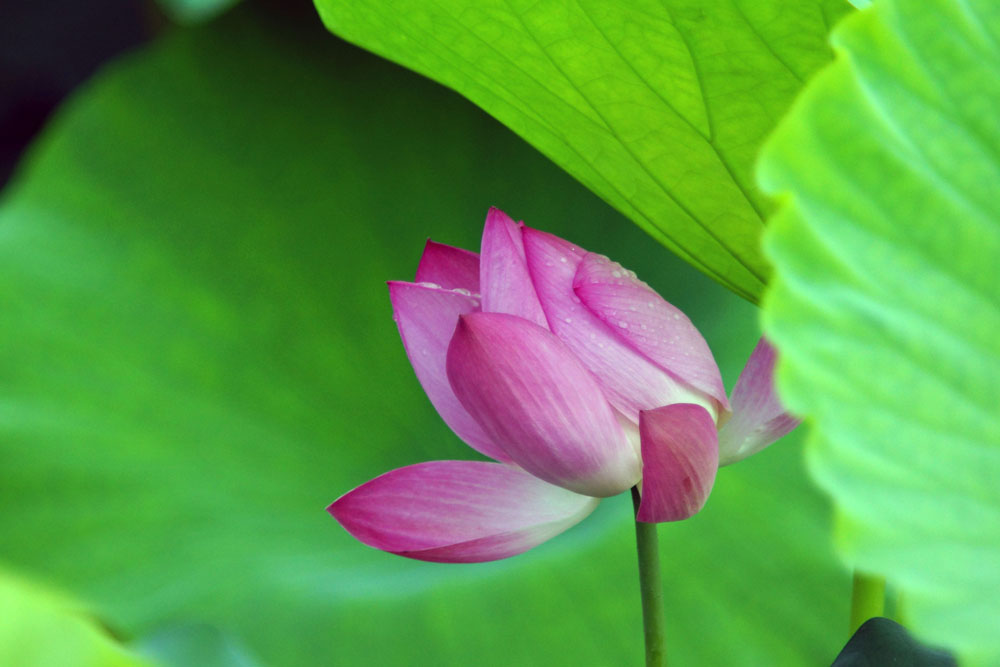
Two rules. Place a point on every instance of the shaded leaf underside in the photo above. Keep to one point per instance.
(658, 106)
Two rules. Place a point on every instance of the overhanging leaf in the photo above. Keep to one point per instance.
(886, 303)
(657, 106)
(198, 355)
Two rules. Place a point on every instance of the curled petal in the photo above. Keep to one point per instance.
(458, 511)
(426, 317)
(536, 401)
(449, 267)
(758, 417)
(680, 455)
(631, 381)
(506, 285)
(648, 323)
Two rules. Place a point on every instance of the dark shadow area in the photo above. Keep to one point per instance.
(47, 49)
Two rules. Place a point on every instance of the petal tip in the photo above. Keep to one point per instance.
(758, 417)
(458, 511)
(448, 266)
(496, 212)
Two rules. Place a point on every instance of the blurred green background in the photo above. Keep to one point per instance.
(198, 356)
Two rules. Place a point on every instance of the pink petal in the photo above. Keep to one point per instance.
(758, 417)
(506, 285)
(458, 511)
(537, 402)
(651, 325)
(449, 267)
(426, 317)
(680, 455)
(630, 380)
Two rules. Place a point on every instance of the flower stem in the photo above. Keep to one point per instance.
(867, 599)
(651, 587)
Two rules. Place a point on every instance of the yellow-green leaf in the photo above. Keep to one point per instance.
(658, 106)
(886, 303)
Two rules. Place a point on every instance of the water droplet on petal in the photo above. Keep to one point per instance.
(623, 324)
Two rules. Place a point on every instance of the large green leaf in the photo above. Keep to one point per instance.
(886, 302)
(657, 106)
(198, 355)
(39, 628)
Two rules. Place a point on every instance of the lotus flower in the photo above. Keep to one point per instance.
(575, 377)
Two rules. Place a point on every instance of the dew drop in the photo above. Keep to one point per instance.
(623, 324)
(562, 259)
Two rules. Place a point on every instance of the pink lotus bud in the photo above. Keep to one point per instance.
(576, 377)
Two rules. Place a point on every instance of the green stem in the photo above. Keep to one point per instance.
(867, 599)
(650, 585)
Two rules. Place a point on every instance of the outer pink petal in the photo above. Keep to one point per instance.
(758, 417)
(426, 317)
(449, 267)
(535, 400)
(630, 380)
(648, 323)
(680, 455)
(458, 511)
(506, 285)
